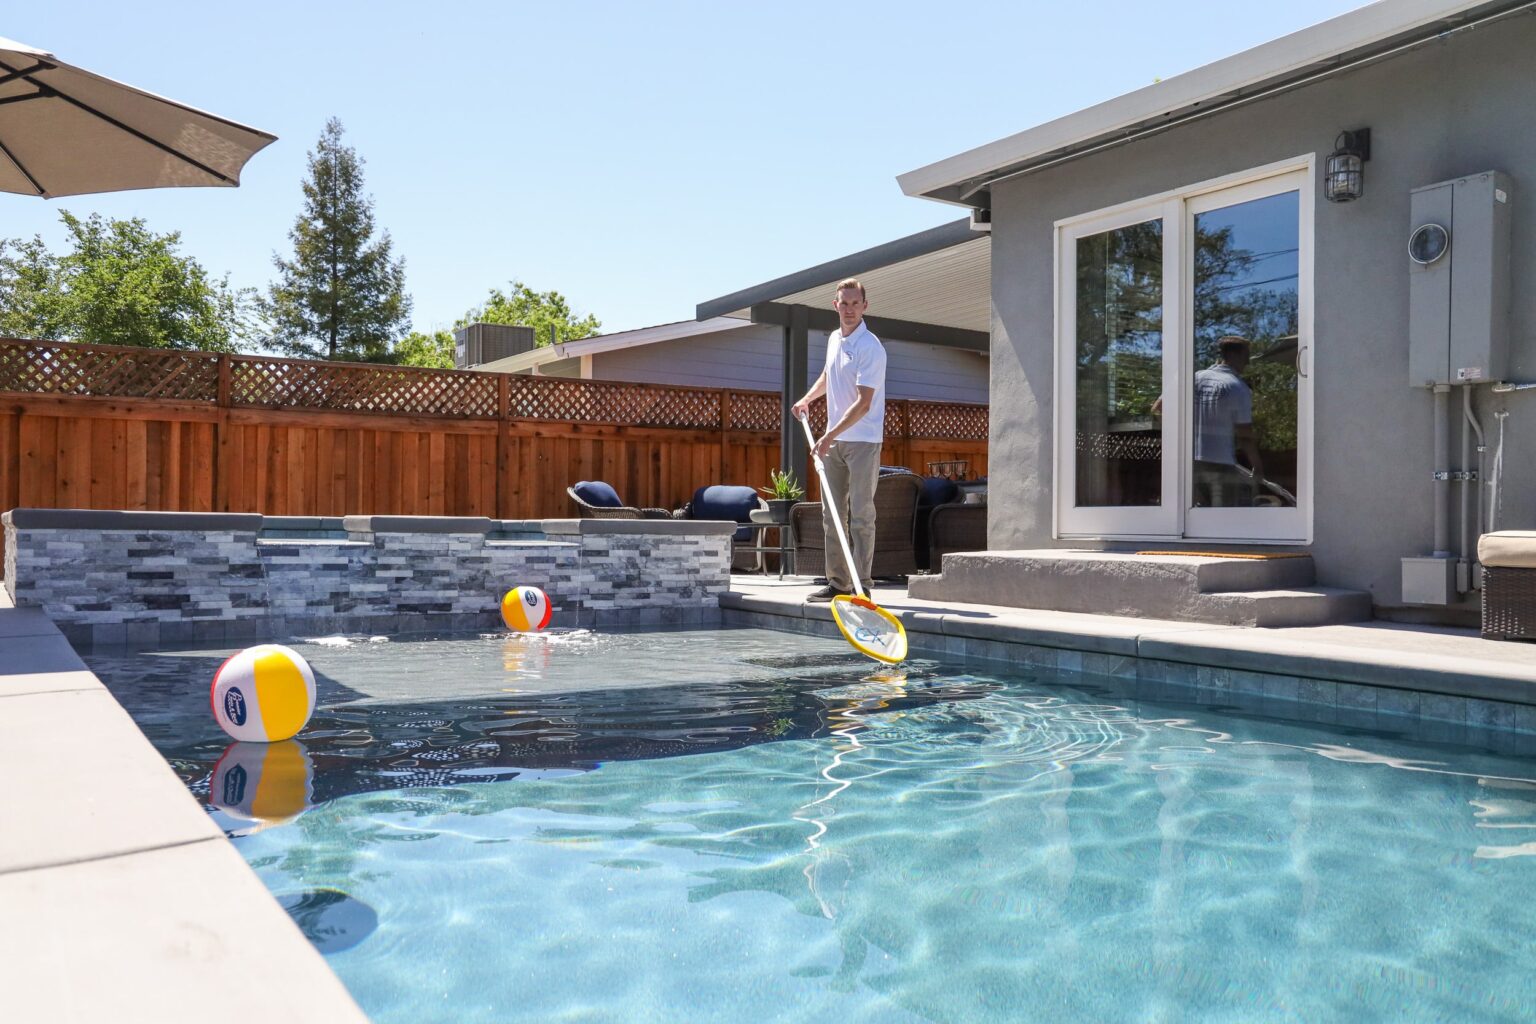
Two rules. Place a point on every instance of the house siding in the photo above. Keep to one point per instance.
(1454, 107)
(749, 358)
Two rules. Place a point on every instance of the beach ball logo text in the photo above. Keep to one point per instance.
(234, 705)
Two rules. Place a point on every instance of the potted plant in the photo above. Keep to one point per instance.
(783, 492)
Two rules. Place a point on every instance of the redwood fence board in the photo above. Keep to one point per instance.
(109, 427)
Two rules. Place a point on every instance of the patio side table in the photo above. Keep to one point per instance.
(763, 521)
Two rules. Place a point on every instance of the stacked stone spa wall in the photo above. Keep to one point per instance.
(149, 578)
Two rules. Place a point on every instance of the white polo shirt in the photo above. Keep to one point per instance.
(853, 362)
(1222, 404)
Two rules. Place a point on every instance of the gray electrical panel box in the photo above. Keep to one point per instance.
(1458, 284)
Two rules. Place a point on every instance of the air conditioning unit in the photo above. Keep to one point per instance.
(485, 343)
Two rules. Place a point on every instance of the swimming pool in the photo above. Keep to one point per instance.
(744, 825)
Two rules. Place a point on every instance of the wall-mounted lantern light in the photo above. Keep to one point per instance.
(1344, 175)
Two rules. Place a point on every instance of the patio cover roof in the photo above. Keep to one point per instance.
(934, 287)
(1371, 33)
(523, 362)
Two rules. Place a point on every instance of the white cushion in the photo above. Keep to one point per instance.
(1508, 549)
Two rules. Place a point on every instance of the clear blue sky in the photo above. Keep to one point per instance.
(638, 157)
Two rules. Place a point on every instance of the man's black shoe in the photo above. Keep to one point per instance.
(826, 593)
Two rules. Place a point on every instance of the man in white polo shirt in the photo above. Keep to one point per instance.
(854, 383)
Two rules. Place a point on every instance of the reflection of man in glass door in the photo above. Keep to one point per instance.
(1224, 426)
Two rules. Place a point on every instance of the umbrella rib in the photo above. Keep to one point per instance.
(22, 168)
(24, 72)
(132, 131)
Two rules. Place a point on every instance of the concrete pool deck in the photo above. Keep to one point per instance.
(1432, 660)
(122, 899)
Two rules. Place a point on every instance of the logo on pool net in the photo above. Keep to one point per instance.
(234, 705)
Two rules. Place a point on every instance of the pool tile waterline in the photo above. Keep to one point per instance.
(1496, 725)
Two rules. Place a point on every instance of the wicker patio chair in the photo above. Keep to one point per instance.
(1509, 584)
(895, 519)
(937, 491)
(596, 500)
(734, 505)
(955, 527)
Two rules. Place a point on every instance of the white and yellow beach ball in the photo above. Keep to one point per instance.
(525, 609)
(263, 694)
(265, 783)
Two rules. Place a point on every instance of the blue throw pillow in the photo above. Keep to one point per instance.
(721, 501)
(725, 501)
(937, 490)
(597, 493)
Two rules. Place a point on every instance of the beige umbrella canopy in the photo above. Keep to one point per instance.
(66, 132)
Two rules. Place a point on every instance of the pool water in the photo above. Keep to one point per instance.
(745, 825)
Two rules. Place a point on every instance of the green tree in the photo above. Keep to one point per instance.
(546, 312)
(119, 284)
(433, 350)
(342, 296)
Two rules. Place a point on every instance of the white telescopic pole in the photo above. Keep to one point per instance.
(837, 519)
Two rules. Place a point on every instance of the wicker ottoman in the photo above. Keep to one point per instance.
(1509, 584)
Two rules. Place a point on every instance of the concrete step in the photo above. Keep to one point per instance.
(1277, 609)
(1188, 588)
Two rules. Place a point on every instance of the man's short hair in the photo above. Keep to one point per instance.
(851, 282)
(1231, 345)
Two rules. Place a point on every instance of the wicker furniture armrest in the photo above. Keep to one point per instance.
(655, 513)
(587, 511)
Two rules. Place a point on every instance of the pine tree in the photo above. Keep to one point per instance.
(341, 296)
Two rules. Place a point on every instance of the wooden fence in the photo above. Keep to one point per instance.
(96, 426)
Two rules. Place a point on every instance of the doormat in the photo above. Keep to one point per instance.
(1231, 554)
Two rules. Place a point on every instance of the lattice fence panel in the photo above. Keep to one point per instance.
(62, 368)
(755, 410)
(947, 421)
(895, 420)
(639, 405)
(300, 384)
(1139, 447)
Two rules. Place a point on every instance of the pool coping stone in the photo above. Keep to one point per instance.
(111, 871)
(1422, 660)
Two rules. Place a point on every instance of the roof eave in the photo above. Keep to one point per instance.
(1281, 63)
(883, 255)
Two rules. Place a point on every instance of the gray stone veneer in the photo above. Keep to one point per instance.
(151, 578)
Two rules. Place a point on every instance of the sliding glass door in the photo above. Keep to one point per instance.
(1183, 353)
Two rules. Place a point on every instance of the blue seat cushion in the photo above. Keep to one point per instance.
(937, 490)
(724, 501)
(597, 493)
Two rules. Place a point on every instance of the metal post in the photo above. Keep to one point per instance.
(793, 451)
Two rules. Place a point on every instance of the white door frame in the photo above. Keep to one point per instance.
(1141, 521)
(1174, 519)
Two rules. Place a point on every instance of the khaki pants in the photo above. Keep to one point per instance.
(853, 469)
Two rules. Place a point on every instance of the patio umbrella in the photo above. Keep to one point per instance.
(65, 131)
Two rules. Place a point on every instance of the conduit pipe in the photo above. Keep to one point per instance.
(1498, 475)
(1465, 579)
(1442, 471)
(1477, 484)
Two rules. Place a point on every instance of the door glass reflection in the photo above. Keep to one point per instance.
(1243, 404)
(1119, 352)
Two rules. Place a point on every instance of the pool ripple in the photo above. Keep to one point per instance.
(952, 845)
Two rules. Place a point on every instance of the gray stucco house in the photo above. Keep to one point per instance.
(1128, 240)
